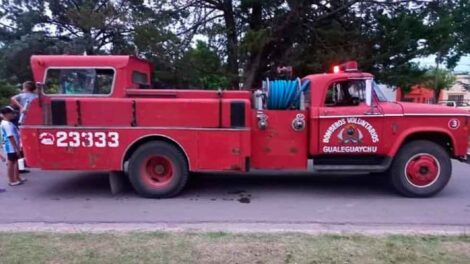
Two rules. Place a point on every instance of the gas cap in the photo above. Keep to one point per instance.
(262, 120)
(298, 124)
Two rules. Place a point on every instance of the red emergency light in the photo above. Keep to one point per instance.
(336, 69)
(349, 66)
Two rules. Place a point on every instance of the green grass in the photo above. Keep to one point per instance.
(222, 247)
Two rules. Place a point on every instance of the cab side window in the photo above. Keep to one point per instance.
(346, 93)
(141, 80)
(86, 81)
(139, 77)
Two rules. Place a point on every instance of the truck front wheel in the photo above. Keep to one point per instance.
(158, 170)
(421, 169)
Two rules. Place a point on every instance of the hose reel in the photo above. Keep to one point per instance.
(284, 94)
(281, 95)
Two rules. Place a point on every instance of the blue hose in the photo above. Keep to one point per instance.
(285, 94)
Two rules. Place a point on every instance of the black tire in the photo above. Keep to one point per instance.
(409, 155)
(147, 176)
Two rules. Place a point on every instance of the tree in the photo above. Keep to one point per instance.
(6, 92)
(30, 27)
(462, 23)
(246, 39)
(200, 67)
(310, 35)
(212, 18)
(404, 77)
(85, 25)
(90, 25)
(438, 80)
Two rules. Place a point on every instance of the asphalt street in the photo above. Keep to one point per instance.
(71, 197)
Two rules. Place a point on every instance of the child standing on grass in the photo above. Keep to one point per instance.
(11, 145)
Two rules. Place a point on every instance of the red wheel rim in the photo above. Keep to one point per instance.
(157, 171)
(422, 170)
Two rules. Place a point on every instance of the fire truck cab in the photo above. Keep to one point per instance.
(103, 113)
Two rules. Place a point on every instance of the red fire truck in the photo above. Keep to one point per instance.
(103, 113)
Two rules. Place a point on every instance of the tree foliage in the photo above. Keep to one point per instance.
(214, 44)
(438, 80)
(6, 92)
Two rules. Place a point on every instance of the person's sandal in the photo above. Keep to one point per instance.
(14, 183)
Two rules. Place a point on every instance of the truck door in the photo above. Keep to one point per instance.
(280, 145)
(348, 127)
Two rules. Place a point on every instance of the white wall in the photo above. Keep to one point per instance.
(457, 88)
(389, 92)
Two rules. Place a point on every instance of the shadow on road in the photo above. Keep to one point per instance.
(89, 184)
(215, 185)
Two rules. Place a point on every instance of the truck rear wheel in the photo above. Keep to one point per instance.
(421, 169)
(158, 170)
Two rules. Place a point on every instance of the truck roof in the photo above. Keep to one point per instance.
(40, 64)
(86, 60)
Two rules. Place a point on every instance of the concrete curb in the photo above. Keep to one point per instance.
(378, 229)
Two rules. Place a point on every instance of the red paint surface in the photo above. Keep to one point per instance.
(279, 146)
(199, 122)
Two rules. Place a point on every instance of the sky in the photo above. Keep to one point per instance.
(462, 66)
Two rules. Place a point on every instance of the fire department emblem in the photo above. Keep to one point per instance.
(350, 134)
(46, 138)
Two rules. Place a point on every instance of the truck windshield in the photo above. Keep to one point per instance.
(378, 92)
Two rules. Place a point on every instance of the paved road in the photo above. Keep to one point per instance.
(64, 197)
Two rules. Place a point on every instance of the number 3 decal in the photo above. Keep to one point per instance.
(87, 139)
(113, 140)
(75, 136)
(101, 139)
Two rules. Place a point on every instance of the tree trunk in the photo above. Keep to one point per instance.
(437, 94)
(252, 71)
(437, 91)
(274, 48)
(402, 94)
(253, 64)
(232, 44)
(89, 47)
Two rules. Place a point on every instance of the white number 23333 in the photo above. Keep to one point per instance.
(80, 139)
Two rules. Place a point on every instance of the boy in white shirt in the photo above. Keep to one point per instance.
(11, 144)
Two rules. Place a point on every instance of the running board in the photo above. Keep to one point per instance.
(381, 167)
(356, 168)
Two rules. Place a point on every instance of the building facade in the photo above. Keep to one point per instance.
(418, 94)
(459, 92)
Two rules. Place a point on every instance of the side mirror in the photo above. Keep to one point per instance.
(369, 92)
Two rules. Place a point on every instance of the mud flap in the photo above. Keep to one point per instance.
(117, 181)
